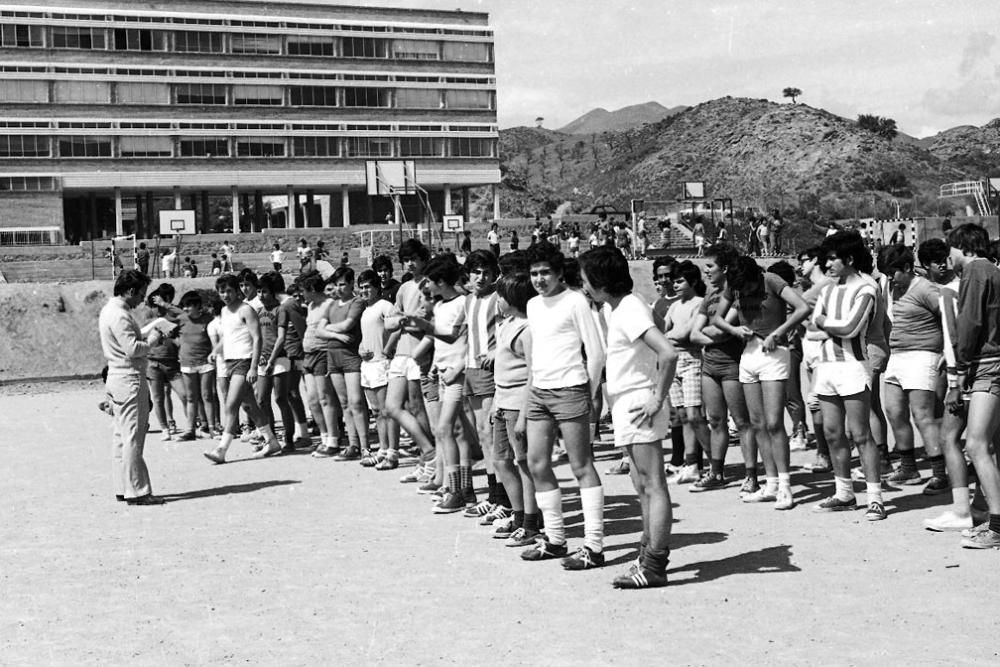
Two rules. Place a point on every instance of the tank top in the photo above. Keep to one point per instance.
(236, 340)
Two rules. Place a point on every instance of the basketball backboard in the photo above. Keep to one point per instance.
(176, 222)
(391, 177)
(454, 223)
(693, 190)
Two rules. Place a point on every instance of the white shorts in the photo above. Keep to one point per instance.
(282, 365)
(756, 365)
(624, 418)
(200, 370)
(404, 367)
(913, 369)
(841, 378)
(374, 374)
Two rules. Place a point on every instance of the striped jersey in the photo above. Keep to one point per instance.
(481, 319)
(848, 307)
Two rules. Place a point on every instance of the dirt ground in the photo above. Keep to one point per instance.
(301, 561)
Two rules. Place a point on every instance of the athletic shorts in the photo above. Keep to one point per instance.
(314, 363)
(878, 358)
(507, 446)
(479, 382)
(685, 390)
(237, 367)
(340, 360)
(404, 367)
(429, 386)
(720, 371)
(913, 369)
(453, 391)
(560, 404)
(221, 370)
(297, 364)
(281, 366)
(202, 369)
(160, 370)
(756, 365)
(841, 378)
(983, 377)
(374, 374)
(625, 410)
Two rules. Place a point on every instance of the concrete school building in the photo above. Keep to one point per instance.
(115, 110)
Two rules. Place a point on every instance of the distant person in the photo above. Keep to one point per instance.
(764, 237)
(946, 226)
(126, 352)
(305, 255)
(466, 246)
(776, 227)
(216, 265)
(142, 258)
(514, 241)
(189, 269)
(493, 239)
(898, 236)
(320, 253)
(226, 252)
(721, 234)
(168, 263)
(277, 257)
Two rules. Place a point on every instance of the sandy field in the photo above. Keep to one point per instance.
(298, 561)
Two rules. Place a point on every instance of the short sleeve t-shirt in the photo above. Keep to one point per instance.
(764, 317)
(409, 300)
(916, 318)
(729, 349)
(373, 334)
(195, 342)
(631, 364)
(310, 341)
(343, 310)
(447, 314)
(268, 320)
(293, 321)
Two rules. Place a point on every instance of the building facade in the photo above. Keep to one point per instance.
(116, 110)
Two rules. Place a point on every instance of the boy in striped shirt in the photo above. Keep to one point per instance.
(843, 381)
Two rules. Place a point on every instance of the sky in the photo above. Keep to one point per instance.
(928, 64)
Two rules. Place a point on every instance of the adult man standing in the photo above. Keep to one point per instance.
(142, 258)
(493, 239)
(127, 390)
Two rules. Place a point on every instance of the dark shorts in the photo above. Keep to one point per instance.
(430, 386)
(728, 371)
(340, 360)
(237, 367)
(479, 382)
(163, 370)
(314, 363)
(506, 445)
(983, 376)
(878, 358)
(559, 405)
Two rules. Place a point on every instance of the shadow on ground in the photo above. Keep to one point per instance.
(764, 561)
(228, 490)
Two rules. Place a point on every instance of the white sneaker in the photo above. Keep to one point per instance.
(797, 442)
(948, 521)
(784, 499)
(761, 495)
(688, 474)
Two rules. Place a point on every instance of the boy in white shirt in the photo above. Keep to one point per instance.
(449, 331)
(375, 368)
(565, 360)
(640, 366)
(277, 257)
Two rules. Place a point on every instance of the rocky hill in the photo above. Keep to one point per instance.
(627, 118)
(974, 148)
(759, 153)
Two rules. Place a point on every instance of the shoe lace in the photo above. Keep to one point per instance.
(518, 534)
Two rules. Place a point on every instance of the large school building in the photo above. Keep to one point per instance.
(270, 113)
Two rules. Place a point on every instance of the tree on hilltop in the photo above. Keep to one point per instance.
(883, 127)
(539, 121)
(791, 92)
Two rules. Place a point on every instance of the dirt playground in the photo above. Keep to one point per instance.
(298, 561)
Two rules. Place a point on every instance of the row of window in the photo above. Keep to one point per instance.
(195, 41)
(286, 24)
(238, 125)
(39, 146)
(128, 93)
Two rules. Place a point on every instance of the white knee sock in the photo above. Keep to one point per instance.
(550, 505)
(592, 500)
(844, 488)
(874, 491)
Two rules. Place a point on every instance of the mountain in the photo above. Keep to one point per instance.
(758, 153)
(974, 148)
(602, 120)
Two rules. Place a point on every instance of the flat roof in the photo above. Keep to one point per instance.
(271, 8)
